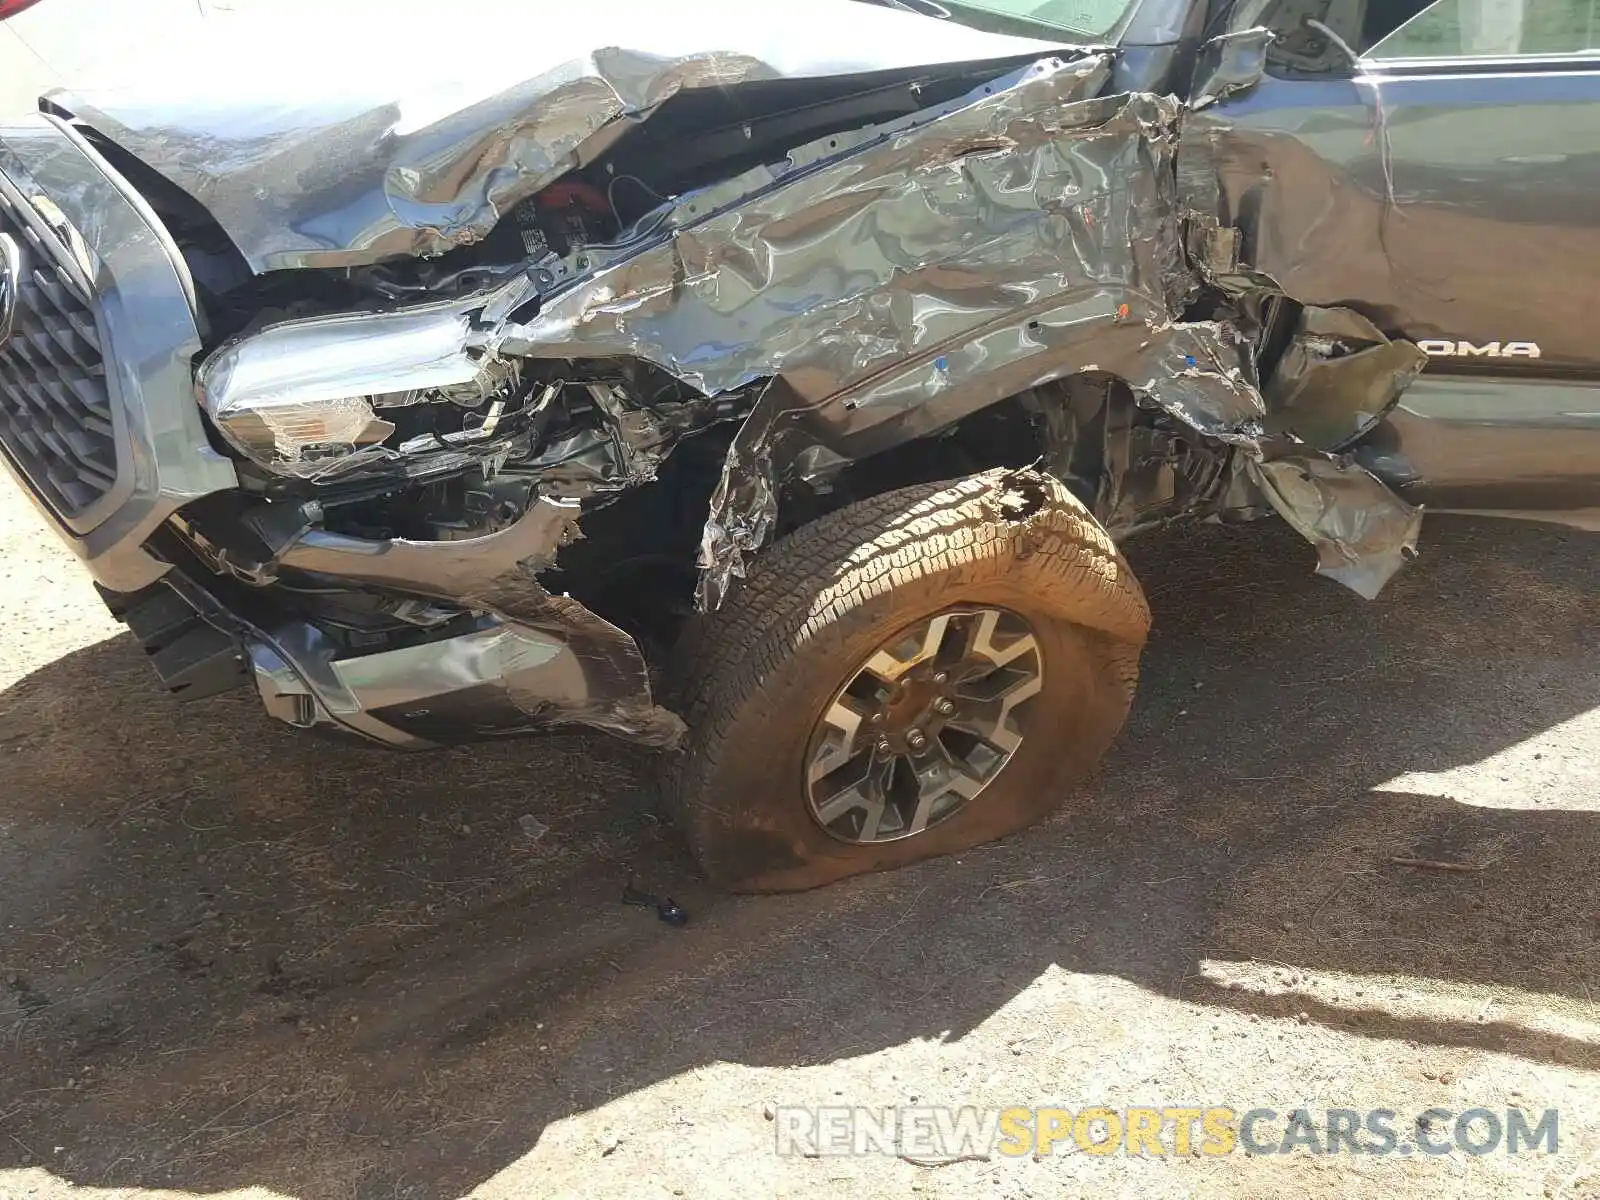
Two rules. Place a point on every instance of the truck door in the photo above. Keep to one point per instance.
(1446, 187)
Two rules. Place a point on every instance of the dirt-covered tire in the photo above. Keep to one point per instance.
(754, 679)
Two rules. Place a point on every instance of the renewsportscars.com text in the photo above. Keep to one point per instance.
(950, 1132)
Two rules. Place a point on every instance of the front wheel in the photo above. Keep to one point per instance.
(909, 676)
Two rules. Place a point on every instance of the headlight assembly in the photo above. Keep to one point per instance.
(303, 398)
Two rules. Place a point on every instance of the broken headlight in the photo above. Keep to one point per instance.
(304, 398)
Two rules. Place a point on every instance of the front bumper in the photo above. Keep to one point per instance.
(487, 678)
(517, 661)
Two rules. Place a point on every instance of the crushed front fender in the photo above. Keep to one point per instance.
(880, 286)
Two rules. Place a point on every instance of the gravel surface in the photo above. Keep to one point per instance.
(238, 960)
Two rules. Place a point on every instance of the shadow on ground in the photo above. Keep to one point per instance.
(236, 956)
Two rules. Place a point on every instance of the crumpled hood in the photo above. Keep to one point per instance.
(339, 134)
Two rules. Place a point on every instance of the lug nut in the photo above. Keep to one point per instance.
(941, 677)
(875, 719)
(943, 707)
(884, 748)
(916, 740)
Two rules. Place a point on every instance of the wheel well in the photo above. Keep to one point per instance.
(635, 564)
(1059, 425)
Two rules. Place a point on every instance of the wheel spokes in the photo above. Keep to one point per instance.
(863, 789)
(939, 774)
(981, 642)
(843, 727)
(988, 717)
(919, 646)
(924, 725)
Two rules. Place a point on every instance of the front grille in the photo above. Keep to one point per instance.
(55, 410)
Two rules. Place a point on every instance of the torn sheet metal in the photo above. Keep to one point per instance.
(595, 676)
(878, 286)
(1363, 532)
(932, 268)
(828, 272)
(418, 137)
(1337, 378)
(1205, 377)
(1290, 188)
(1339, 373)
(1230, 63)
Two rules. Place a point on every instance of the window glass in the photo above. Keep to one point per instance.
(1040, 18)
(1495, 28)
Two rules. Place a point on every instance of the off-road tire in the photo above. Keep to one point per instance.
(752, 678)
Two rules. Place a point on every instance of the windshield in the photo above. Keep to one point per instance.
(1074, 20)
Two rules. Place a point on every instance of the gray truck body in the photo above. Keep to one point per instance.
(413, 392)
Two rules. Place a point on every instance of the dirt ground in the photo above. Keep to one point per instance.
(234, 959)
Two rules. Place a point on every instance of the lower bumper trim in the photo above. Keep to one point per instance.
(500, 680)
(193, 658)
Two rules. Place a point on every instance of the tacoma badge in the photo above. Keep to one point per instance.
(1437, 348)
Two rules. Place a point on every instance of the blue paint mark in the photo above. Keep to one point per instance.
(941, 363)
(1188, 359)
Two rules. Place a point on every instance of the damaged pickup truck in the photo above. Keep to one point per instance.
(771, 384)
